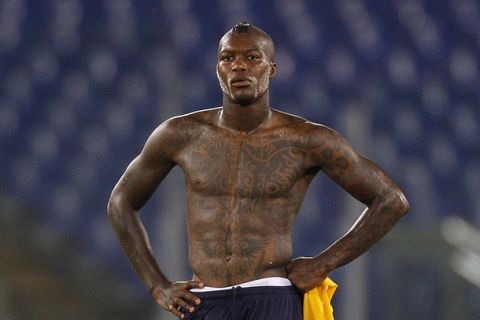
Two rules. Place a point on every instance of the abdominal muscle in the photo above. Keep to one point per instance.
(235, 268)
(250, 258)
(232, 246)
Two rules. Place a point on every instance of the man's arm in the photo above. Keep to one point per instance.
(133, 190)
(365, 181)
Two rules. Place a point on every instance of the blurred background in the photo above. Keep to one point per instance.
(84, 83)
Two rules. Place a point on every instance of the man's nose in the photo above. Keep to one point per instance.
(239, 64)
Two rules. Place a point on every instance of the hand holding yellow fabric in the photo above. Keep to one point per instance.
(316, 302)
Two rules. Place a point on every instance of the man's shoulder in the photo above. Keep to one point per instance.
(176, 132)
(286, 118)
(203, 115)
(298, 123)
(193, 119)
(183, 126)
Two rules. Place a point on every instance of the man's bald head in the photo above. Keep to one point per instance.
(245, 28)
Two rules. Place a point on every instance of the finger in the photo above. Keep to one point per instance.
(176, 312)
(182, 305)
(194, 284)
(183, 288)
(188, 296)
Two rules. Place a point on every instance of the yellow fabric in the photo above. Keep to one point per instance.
(316, 302)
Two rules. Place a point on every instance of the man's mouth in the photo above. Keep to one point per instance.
(240, 82)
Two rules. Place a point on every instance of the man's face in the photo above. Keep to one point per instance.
(244, 67)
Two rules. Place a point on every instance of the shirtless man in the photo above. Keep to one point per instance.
(247, 169)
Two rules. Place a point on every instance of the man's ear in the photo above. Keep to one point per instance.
(273, 69)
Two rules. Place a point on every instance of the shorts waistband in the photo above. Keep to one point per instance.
(265, 282)
(239, 293)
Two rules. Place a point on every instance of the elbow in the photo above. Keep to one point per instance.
(117, 214)
(405, 205)
(111, 206)
(394, 202)
(119, 209)
(400, 203)
(114, 206)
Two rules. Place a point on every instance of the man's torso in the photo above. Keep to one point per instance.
(243, 191)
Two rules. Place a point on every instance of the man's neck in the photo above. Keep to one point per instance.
(247, 118)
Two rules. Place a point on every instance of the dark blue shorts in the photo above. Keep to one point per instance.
(255, 303)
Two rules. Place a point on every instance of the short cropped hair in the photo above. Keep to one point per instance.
(245, 27)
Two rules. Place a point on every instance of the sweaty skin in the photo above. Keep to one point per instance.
(241, 209)
(247, 168)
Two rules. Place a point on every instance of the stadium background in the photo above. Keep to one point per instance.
(83, 83)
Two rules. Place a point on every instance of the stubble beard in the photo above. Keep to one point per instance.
(263, 84)
(260, 89)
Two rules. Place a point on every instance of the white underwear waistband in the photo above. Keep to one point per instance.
(265, 282)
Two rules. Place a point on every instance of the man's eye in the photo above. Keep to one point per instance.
(253, 58)
(226, 58)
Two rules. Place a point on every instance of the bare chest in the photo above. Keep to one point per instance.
(242, 165)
